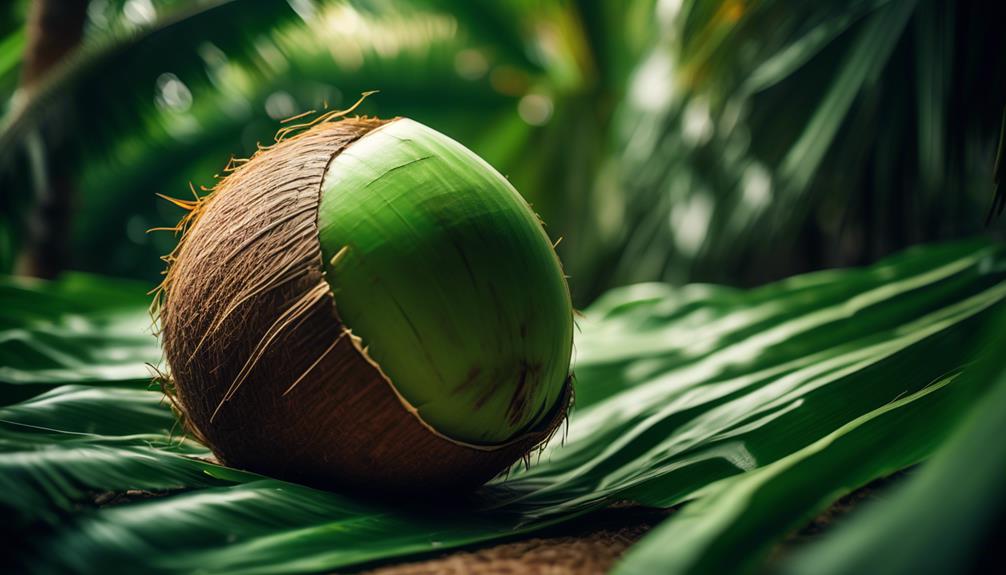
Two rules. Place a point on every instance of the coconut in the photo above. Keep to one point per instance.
(367, 303)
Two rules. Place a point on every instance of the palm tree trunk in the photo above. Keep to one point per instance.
(55, 28)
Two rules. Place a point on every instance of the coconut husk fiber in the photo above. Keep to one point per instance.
(263, 370)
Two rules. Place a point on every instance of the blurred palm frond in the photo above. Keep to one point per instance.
(766, 137)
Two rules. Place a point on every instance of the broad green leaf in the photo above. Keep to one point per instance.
(678, 389)
(79, 330)
(59, 448)
(735, 522)
(949, 516)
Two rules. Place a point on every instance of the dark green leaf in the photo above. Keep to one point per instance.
(949, 517)
(79, 330)
(678, 389)
(735, 522)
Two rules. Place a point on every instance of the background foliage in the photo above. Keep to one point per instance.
(786, 136)
(674, 141)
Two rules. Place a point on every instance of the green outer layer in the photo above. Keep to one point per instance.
(449, 279)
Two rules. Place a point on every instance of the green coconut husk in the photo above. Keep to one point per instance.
(440, 266)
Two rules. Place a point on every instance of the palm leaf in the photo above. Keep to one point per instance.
(736, 522)
(961, 486)
(80, 330)
(678, 389)
(857, 127)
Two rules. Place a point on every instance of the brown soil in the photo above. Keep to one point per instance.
(589, 546)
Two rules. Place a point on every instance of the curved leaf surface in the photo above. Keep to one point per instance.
(678, 388)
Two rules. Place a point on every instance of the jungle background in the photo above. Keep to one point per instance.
(671, 145)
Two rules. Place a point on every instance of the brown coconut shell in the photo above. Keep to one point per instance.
(264, 371)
